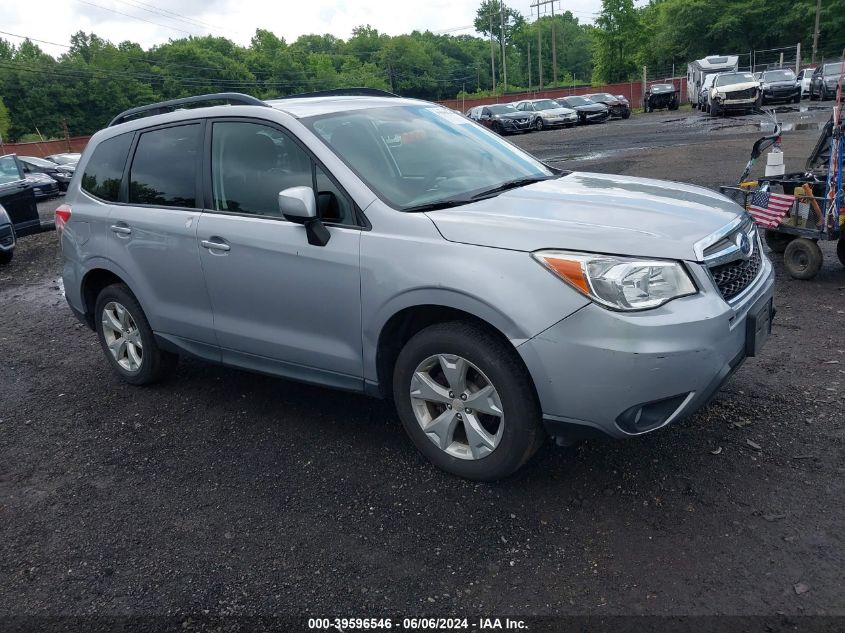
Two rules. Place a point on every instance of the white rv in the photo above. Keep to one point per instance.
(698, 70)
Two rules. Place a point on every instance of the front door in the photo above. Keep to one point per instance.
(17, 197)
(281, 305)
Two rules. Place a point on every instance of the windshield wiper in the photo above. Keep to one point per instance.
(510, 184)
(439, 204)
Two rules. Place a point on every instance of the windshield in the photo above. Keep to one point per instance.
(778, 75)
(420, 154)
(502, 109)
(601, 95)
(663, 88)
(734, 78)
(546, 104)
(38, 162)
(578, 101)
(833, 69)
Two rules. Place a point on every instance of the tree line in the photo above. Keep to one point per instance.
(95, 78)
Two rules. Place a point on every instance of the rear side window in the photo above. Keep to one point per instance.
(104, 170)
(164, 168)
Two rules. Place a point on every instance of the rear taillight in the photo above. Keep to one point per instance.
(62, 218)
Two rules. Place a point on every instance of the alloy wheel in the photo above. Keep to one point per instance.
(122, 336)
(457, 406)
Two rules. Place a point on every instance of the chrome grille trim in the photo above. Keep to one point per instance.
(732, 273)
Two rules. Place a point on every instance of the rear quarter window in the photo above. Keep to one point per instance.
(104, 170)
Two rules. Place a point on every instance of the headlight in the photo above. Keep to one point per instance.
(619, 283)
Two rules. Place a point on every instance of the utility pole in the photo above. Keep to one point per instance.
(492, 52)
(543, 3)
(816, 31)
(529, 65)
(539, 53)
(798, 58)
(504, 49)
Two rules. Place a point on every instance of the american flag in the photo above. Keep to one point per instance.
(768, 209)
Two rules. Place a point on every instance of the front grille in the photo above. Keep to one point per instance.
(734, 277)
(6, 238)
(742, 94)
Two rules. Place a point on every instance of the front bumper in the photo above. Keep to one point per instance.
(571, 119)
(596, 369)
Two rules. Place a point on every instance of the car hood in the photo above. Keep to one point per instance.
(593, 107)
(780, 84)
(512, 115)
(557, 111)
(735, 87)
(593, 212)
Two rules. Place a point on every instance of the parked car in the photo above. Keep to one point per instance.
(18, 201)
(503, 118)
(588, 111)
(42, 185)
(659, 96)
(780, 86)
(548, 113)
(732, 92)
(705, 90)
(804, 78)
(824, 81)
(7, 237)
(617, 107)
(389, 246)
(69, 158)
(60, 173)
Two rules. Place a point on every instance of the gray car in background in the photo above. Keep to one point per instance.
(393, 247)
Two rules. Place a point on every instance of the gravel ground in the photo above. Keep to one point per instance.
(222, 493)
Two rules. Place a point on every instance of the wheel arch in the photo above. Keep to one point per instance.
(407, 321)
(95, 279)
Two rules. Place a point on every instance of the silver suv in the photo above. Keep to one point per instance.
(393, 247)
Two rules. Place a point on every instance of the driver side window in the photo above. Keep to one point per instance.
(251, 163)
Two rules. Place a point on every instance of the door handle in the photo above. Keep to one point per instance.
(214, 246)
(121, 230)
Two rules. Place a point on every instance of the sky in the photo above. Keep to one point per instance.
(151, 22)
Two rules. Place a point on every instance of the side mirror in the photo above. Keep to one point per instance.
(298, 204)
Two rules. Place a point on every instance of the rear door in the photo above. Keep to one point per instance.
(152, 234)
(17, 197)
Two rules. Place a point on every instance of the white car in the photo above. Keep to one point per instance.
(733, 91)
(549, 113)
(805, 77)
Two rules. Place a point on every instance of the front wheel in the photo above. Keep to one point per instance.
(840, 250)
(802, 258)
(6, 256)
(538, 124)
(467, 401)
(714, 110)
(127, 338)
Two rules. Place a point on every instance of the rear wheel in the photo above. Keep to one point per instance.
(127, 339)
(777, 241)
(802, 258)
(467, 401)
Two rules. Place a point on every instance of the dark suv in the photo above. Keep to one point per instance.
(18, 199)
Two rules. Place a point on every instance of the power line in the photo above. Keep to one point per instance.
(135, 17)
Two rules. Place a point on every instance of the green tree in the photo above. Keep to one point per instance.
(5, 121)
(617, 39)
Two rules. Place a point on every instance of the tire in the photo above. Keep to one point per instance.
(796, 99)
(777, 241)
(538, 124)
(802, 258)
(626, 115)
(514, 437)
(6, 256)
(840, 250)
(714, 110)
(497, 128)
(153, 363)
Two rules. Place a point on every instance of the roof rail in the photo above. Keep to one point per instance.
(232, 98)
(343, 92)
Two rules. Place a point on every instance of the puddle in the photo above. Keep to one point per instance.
(792, 126)
(606, 153)
(46, 292)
